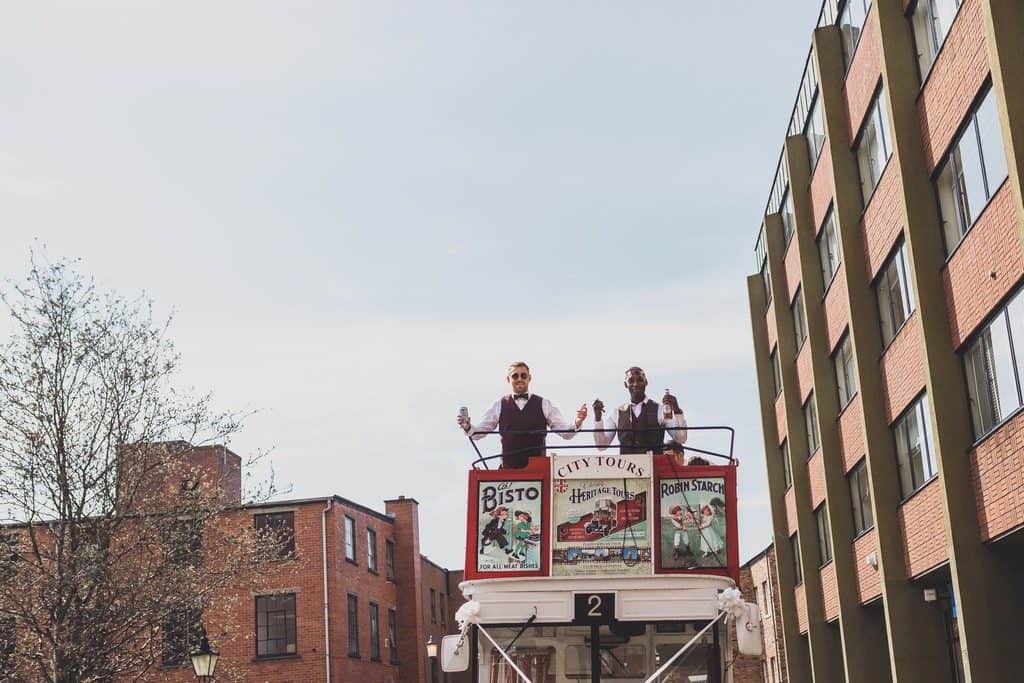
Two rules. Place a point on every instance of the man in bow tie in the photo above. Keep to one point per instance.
(641, 423)
(519, 412)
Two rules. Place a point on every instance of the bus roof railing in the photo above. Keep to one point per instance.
(483, 460)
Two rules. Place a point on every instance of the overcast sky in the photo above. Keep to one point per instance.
(361, 211)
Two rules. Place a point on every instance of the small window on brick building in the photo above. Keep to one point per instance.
(828, 249)
(353, 625)
(860, 498)
(787, 472)
(183, 542)
(374, 632)
(788, 219)
(799, 320)
(814, 131)
(350, 539)
(444, 620)
(894, 295)
(798, 573)
(276, 532)
(433, 605)
(776, 372)
(392, 636)
(761, 255)
(275, 625)
(931, 21)
(389, 558)
(914, 459)
(371, 550)
(972, 171)
(824, 535)
(851, 23)
(846, 376)
(810, 412)
(766, 608)
(180, 632)
(873, 146)
(992, 364)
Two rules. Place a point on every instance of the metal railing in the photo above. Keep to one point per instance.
(484, 460)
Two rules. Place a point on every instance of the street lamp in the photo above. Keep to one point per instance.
(204, 659)
(431, 647)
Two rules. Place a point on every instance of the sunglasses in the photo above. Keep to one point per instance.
(520, 375)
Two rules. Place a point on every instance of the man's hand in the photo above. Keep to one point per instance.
(598, 409)
(581, 415)
(671, 401)
(463, 422)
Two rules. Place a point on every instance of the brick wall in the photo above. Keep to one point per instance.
(745, 668)
(816, 470)
(830, 591)
(869, 581)
(956, 76)
(804, 372)
(864, 73)
(851, 434)
(882, 221)
(773, 328)
(801, 608)
(923, 528)
(997, 474)
(764, 570)
(986, 266)
(837, 310)
(902, 366)
(792, 266)
(780, 417)
(409, 570)
(821, 189)
(791, 510)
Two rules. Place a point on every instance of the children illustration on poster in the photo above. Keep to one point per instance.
(509, 526)
(693, 524)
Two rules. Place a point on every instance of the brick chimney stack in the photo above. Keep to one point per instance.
(410, 589)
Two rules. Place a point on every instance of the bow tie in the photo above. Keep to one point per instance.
(516, 397)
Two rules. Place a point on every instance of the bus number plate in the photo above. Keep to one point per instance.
(595, 608)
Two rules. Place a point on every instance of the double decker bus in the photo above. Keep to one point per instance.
(590, 565)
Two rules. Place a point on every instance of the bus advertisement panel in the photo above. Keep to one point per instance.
(510, 526)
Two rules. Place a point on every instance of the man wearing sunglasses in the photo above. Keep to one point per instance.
(519, 412)
(641, 423)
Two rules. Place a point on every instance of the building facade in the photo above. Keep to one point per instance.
(759, 585)
(889, 340)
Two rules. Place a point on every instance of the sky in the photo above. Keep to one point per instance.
(360, 212)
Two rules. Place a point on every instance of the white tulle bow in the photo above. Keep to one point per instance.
(730, 601)
(467, 614)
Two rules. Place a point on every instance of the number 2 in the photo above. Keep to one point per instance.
(595, 606)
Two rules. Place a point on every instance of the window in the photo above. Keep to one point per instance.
(914, 459)
(872, 147)
(787, 473)
(991, 364)
(353, 625)
(275, 625)
(824, 537)
(350, 539)
(776, 372)
(846, 377)
(799, 321)
(931, 22)
(393, 636)
(895, 300)
(275, 531)
(180, 632)
(762, 265)
(828, 249)
(433, 605)
(851, 22)
(972, 172)
(798, 574)
(183, 542)
(766, 590)
(815, 131)
(374, 632)
(788, 220)
(811, 424)
(389, 558)
(444, 619)
(371, 550)
(860, 498)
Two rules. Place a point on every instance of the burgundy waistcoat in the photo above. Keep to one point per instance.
(640, 442)
(517, 448)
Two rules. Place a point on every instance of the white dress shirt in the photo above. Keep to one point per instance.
(676, 425)
(552, 415)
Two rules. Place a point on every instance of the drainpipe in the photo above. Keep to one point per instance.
(327, 613)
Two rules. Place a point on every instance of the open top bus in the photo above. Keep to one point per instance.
(592, 565)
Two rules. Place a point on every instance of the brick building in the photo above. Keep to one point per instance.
(759, 585)
(887, 322)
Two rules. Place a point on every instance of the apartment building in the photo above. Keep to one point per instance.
(888, 326)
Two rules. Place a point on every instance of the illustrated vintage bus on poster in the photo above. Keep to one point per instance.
(591, 565)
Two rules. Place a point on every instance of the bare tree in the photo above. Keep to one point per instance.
(106, 518)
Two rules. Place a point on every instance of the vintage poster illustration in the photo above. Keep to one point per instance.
(693, 523)
(509, 526)
(601, 526)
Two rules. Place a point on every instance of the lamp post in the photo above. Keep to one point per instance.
(204, 659)
(431, 647)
